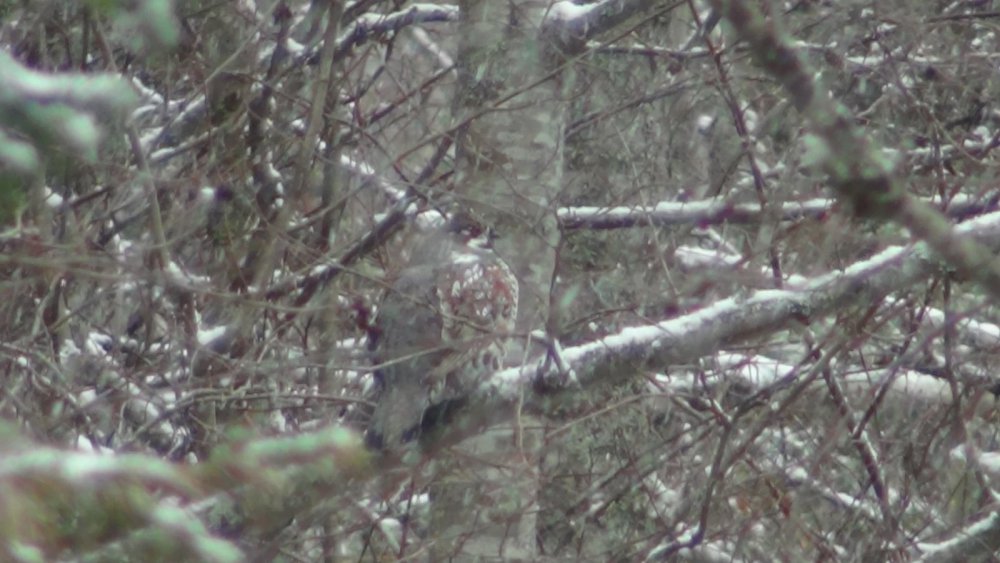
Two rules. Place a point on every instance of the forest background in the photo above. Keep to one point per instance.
(755, 243)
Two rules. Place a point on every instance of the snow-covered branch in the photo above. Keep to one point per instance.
(702, 212)
(977, 542)
(374, 25)
(687, 337)
(713, 212)
(90, 479)
(574, 23)
(856, 169)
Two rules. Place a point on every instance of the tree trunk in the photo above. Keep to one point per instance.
(509, 168)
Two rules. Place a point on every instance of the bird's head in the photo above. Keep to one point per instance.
(469, 231)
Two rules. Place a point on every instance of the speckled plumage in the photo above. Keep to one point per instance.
(441, 330)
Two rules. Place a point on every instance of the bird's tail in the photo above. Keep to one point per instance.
(398, 415)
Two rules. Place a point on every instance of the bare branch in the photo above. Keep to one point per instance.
(856, 169)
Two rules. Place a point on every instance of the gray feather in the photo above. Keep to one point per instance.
(409, 328)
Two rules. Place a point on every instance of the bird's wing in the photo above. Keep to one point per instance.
(409, 346)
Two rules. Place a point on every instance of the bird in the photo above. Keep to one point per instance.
(440, 329)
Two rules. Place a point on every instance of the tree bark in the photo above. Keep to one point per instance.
(509, 167)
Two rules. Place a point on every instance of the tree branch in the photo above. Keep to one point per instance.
(715, 212)
(976, 542)
(857, 171)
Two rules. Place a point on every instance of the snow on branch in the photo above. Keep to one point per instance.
(976, 542)
(858, 172)
(114, 491)
(574, 23)
(137, 485)
(713, 212)
(703, 212)
(687, 337)
(374, 25)
(648, 51)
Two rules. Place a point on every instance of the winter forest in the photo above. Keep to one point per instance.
(733, 297)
